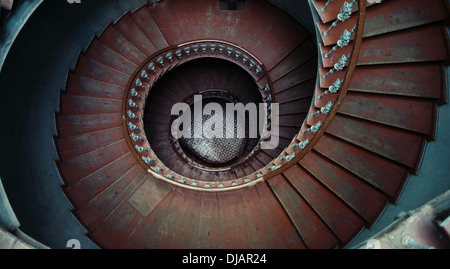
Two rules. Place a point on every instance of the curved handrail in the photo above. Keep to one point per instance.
(314, 138)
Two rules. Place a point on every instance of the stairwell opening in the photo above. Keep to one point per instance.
(218, 82)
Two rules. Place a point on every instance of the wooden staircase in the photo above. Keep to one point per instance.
(326, 194)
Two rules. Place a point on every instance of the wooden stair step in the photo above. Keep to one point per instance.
(115, 40)
(149, 194)
(408, 46)
(397, 15)
(264, 157)
(180, 227)
(302, 90)
(238, 172)
(210, 232)
(313, 231)
(107, 56)
(94, 213)
(84, 165)
(288, 132)
(395, 144)
(364, 199)
(381, 173)
(84, 86)
(299, 106)
(403, 112)
(147, 229)
(301, 74)
(416, 80)
(130, 30)
(340, 218)
(300, 55)
(117, 228)
(149, 27)
(81, 105)
(255, 164)
(259, 232)
(73, 146)
(389, 16)
(84, 190)
(79, 124)
(95, 70)
(284, 235)
(295, 120)
(232, 214)
(247, 169)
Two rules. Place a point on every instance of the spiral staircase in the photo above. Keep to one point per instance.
(357, 104)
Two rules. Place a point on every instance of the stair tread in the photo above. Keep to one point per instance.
(279, 221)
(210, 231)
(130, 30)
(295, 120)
(364, 199)
(402, 14)
(183, 215)
(95, 70)
(116, 229)
(84, 190)
(95, 212)
(342, 220)
(73, 146)
(107, 56)
(146, 230)
(309, 225)
(415, 80)
(149, 27)
(297, 76)
(115, 40)
(403, 112)
(71, 125)
(389, 16)
(85, 86)
(302, 90)
(411, 45)
(381, 173)
(395, 144)
(232, 216)
(84, 165)
(300, 106)
(147, 197)
(80, 105)
(259, 232)
(300, 55)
